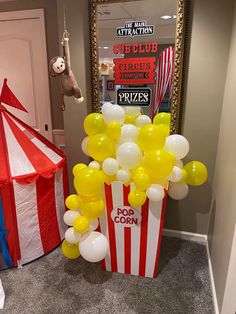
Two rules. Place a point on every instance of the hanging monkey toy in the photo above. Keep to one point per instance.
(61, 66)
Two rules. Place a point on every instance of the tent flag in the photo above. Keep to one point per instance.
(3, 242)
(8, 98)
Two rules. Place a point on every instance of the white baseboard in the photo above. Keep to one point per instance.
(201, 238)
(213, 288)
(190, 236)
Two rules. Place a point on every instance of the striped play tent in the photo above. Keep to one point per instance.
(33, 187)
(134, 234)
(165, 67)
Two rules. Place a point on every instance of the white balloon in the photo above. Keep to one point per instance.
(129, 133)
(70, 216)
(178, 191)
(114, 113)
(71, 236)
(128, 155)
(142, 120)
(94, 247)
(93, 224)
(123, 175)
(155, 193)
(94, 164)
(133, 111)
(105, 106)
(178, 145)
(179, 163)
(176, 174)
(110, 166)
(84, 145)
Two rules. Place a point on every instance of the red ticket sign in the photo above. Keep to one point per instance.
(129, 71)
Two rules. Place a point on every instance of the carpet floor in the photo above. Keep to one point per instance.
(53, 284)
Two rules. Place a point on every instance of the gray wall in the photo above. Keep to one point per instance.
(223, 211)
(208, 57)
(50, 10)
(78, 27)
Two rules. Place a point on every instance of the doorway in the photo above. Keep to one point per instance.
(23, 61)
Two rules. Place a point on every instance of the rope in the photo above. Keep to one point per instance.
(65, 33)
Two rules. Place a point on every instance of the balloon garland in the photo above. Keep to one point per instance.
(127, 147)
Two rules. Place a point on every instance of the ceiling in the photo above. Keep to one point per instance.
(113, 15)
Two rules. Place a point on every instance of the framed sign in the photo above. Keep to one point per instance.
(110, 85)
(135, 28)
(134, 97)
(128, 71)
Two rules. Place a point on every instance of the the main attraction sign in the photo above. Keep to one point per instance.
(135, 28)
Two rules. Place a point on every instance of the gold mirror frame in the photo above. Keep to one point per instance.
(179, 66)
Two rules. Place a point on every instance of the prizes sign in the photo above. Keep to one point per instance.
(126, 216)
(134, 97)
(134, 71)
(135, 28)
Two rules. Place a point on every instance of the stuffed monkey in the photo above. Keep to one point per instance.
(62, 67)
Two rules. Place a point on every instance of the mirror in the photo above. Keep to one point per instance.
(137, 53)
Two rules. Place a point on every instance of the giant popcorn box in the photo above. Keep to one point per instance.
(134, 234)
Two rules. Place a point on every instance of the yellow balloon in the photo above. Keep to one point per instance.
(81, 224)
(73, 202)
(100, 147)
(91, 198)
(136, 198)
(89, 182)
(70, 251)
(163, 182)
(184, 177)
(151, 137)
(94, 209)
(141, 180)
(109, 179)
(94, 123)
(165, 128)
(129, 119)
(158, 164)
(162, 118)
(77, 168)
(137, 170)
(196, 173)
(113, 130)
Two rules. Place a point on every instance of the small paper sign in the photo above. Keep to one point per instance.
(136, 71)
(134, 97)
(135, 28)
(135, 48)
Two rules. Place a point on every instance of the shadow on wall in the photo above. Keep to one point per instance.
(183, 215)
(211, 223)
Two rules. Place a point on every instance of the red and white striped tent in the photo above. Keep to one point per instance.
(33, 187)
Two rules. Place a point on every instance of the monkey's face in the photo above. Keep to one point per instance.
(59, 65)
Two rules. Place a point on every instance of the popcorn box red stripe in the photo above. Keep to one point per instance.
(134, 234)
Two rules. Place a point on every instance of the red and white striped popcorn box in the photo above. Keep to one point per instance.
(134, 234)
